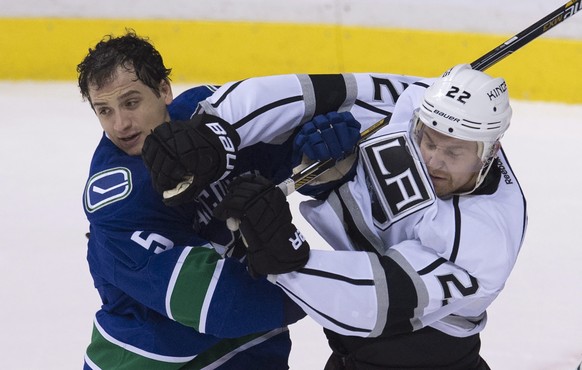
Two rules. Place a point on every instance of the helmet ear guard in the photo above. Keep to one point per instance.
(468, 105)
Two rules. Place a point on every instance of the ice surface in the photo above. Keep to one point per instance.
(48, 301)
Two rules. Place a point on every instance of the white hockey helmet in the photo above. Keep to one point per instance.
(469, 105)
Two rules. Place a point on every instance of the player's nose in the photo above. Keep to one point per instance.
(122, 122)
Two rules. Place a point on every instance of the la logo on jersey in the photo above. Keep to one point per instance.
(397, 177)
(107, 187)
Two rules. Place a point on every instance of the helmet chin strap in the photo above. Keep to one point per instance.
(479, 180)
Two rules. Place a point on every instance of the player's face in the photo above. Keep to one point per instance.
(452, 163)
(128, 109)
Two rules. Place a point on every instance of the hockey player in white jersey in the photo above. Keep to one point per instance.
(426, 226)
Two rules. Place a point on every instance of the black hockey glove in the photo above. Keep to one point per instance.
(275, 246)
(184, 157)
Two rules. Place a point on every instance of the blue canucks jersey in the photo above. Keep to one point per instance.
(170, 300)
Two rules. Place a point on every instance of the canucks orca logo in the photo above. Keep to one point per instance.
(107, 187)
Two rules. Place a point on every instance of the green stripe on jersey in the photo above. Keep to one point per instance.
(108, 353)
(105, 352)
(192, 283)
(228, 348)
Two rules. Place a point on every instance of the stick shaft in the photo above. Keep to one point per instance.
(524, 37)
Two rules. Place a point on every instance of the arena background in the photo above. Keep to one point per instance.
(49, 134)
(222, 40)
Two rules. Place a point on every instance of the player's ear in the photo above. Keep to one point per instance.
(166, 91)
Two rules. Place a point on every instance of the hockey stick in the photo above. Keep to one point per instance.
(507, 48)
(315, 169)
(306, 175)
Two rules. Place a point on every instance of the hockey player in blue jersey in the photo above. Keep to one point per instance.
(426, 219)
(174, 295)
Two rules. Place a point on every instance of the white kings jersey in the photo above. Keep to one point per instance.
(404, 259)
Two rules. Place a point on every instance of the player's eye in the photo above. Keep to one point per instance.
(132, 103)
(103, 111)
(430, 146)
(453, 154)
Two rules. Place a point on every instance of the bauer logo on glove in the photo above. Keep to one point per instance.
(184, 157)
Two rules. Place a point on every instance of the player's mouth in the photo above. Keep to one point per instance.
(129, 142)
(437, 177)
(130, 139)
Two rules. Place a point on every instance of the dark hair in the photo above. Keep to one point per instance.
(129, 51)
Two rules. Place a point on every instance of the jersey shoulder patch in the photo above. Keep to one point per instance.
(107, 187)
(397, 178)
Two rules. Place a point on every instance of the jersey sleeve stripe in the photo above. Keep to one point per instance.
(432, 266)
(402, 295)
(139, 351)
(308, 97)
(351, 92)
(193, 286)
(322, 86)
(350, 328)
(173, 279)
(372, 108)
(226, 93)
(421, 84)
(408, 295)
(267, 108)
(362, 237)
(329, 275)
(209, 295)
